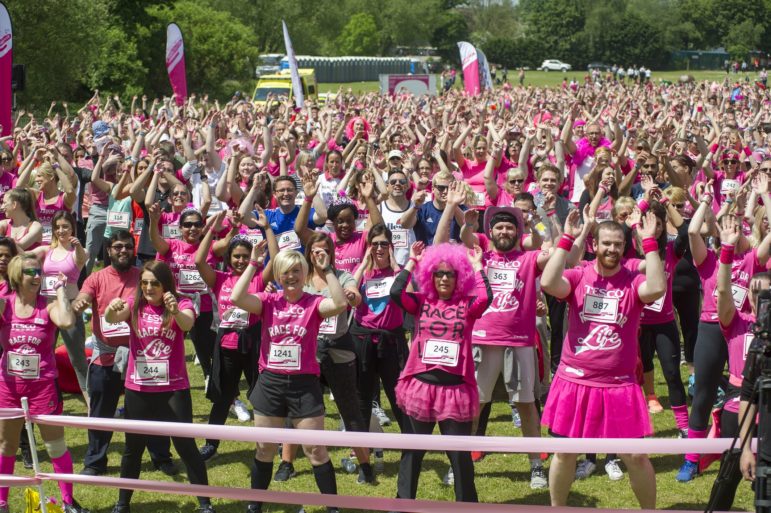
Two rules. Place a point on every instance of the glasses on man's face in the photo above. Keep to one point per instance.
(380, 244)
(179, 193)
(398, 181)
(444, 274)
(441, 188)
(31, 272)
(150, 283)
(120, 247)
(192, 224)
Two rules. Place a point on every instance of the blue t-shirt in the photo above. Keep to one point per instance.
(283, 227)
(428, 219)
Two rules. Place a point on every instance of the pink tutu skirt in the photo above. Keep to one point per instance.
(432, 403)
(581, 411)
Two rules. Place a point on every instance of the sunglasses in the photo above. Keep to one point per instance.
(731, 161)
(678, 205)
(192, 224)
(6, 160)
(441, 188)
(444, 274)
(381, 244)
(766, 169)
(516, 181)
(31, 272)
(150, 283)
(179, 193)
(121, 247)
(398, 181)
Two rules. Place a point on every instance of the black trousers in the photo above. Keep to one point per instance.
(557, 310)
(341, 378)
(234, 364)
(174, 406)
(104, 390)
(709, 359)
(664, 340)
(462, 466)
(688, 306)
(203, 340)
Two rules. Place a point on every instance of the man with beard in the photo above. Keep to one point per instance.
(595, 392)
(105, 373)
(505, 337)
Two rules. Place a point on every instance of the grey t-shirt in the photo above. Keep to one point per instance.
(338, 325)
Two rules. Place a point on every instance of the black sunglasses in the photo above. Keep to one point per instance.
(192, 224)
(398, 181)
(441, 188)
(381, 244)
(444, 274)
(121, 247)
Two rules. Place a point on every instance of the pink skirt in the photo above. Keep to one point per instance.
(581, 411)
(431, 403)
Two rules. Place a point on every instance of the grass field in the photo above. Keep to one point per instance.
(546, 79)
(500, 478)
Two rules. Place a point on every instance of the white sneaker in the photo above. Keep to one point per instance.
(584, 469)
(241, 411)
(538, 479)
(614, 470)
(382, 418)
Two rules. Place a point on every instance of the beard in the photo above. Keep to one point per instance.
(504, 244)
(608, 262)
(121, 266)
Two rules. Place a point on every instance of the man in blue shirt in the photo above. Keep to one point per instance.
(424, 218)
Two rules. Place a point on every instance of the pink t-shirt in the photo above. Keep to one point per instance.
(45, 214)
(28, 344)
(442, 339)
(232, 317)
(169, 225)
(349, 254)
(601, 347)
(473, 173)
(742, 269)
(7, 182)
(376, 309)
(661, 311)
(739, 336)
(156, 353)
(289, 333)
(510, 319)
(181, 260)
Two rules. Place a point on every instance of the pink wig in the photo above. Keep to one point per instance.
(453, 255)
(349, 128)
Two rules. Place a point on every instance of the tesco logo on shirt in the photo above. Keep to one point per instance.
(291, 311)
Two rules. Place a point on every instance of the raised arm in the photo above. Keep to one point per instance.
(240, 295)
(655, 284)
(159, 243)
(208, 274)
(337, 302)
(698, 247)
(552, 280)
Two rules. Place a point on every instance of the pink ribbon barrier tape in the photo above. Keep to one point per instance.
(11, 413)
(317, 499)
(7, 480)
(396, 440)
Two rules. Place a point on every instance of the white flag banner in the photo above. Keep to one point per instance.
(297, 85)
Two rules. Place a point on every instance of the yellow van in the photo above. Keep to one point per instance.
(280, 84)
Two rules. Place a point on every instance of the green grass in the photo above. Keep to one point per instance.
(500, 478)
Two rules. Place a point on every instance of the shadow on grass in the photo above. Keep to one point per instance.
(666, 462)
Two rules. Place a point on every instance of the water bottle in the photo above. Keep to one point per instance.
(539, 199)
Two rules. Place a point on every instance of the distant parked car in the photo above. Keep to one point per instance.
(555, 65)
(598, 65)
(269, 64)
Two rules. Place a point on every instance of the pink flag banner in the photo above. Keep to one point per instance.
(297, 85)
(470, 62)
(175, 62)
(6, 68)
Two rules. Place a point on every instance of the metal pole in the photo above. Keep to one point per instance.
(33, 450)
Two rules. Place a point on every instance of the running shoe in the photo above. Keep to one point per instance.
(285, 472)
(26, 457)
(379, 462)
(121, 508)
(366, 474)
(682, 433)
(239, 409)
(74, 508)
(654, 406)
(585, 468)
(254, 508)
(167, 467)
(382, 418)
(208, 452)
(687, 472)
(538, 478)
(613, 469)
(515, 418)
(449, 478)
(206, 508)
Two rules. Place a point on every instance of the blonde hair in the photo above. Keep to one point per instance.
(514, 172)
(757, 227)
(47, 170)
(285, 260)
(675, 194)
(16, 266)
(442, 175)
(622, 203)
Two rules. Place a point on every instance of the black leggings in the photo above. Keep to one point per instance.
(341, 378)
(709, 358)
(729, 428)
(173, 406)
(664, 340)
(381, 361)
(234, 363)
(462, 466)
(557, 310)
(688, 306)
(203, 340)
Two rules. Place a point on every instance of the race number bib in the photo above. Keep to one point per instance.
(235, 318)
(329, 326)
(47, 232)
(151, 372)
(361, 223)
(729, 185)
(656, 306)
(139, 225)
(298, 201)
(501, 278)
(378, 288)
(399, 238)
(110, 330)
(25, 366)
(748, 338)
(171, 231)
(288, 240)
(600, 308)
(284, 356)
(441, 352)
(47, 286)
(479, 199)
(190, 279)
(119, 220)
(739, 294)
(255, 237)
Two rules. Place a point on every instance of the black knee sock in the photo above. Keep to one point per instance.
(484, 417)
(325, 478)
(262, 471)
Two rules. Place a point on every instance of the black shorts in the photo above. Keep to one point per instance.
(296, 396)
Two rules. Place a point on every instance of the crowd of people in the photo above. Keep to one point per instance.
(419, 246)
